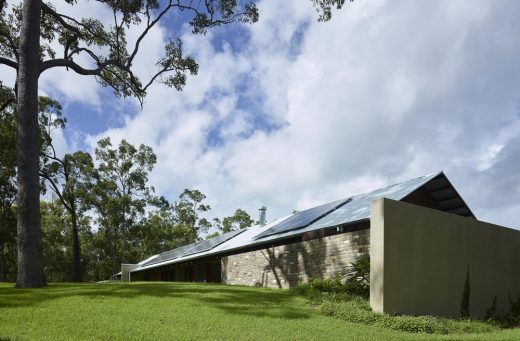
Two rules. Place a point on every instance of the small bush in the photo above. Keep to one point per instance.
(357, 310)
(464, 326)
(509, 320)
(412, 324)
(355, 283)
(348, 301)
(358, 280)
(331, 285)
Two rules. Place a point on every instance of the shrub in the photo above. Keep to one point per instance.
(357, 310)
(357, 282)
(348, 301)
(411, 324)
(331, 285)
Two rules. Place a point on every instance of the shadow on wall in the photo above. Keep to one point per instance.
(292, 264)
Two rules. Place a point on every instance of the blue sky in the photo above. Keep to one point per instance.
(291, 113)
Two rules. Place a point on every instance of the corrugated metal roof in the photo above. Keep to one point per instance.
(359, 207)
(195, 248)
(244, 238)
(304, 218)
(349, 210)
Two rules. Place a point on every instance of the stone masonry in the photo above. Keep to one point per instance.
(288, 265)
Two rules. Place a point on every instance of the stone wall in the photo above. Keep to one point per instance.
(287, 265)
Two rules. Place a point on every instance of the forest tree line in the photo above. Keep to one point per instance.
(102, 211)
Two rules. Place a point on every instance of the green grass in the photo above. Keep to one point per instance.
(169, 311)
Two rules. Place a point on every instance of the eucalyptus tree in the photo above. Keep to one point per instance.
(49, 118)
(30, 35)
(239, 220)
(7, 181)
(121, 190)
(70, 178)
(188, 212)
(32, 32)
(56, 248)
(158, 231)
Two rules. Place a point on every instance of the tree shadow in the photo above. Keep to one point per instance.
(256, 302)
(292, 264)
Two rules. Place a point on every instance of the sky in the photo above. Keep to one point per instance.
(291, 112)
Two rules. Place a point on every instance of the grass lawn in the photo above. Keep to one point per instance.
(184, 311)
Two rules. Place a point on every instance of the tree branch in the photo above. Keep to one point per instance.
(71, 64)
(55, 189)
(83, 49)
(59, 17)
(9, 62)
(11, 42)
(6, 104)
(145, 32)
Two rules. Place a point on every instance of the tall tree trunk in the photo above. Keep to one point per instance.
(123, 229)
(30, 262)
(76, 250)
(112, 251)
(2, 262)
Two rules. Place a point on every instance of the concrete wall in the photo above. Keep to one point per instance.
(287, 265)
(125, 271)
(420, 258)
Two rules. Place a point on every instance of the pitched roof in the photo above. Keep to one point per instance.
(336, 213)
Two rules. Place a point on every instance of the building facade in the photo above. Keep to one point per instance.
(422, 239)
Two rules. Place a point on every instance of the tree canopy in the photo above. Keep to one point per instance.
(36, 37)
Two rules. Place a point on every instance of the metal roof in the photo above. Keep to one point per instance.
(359, 207)
(243, 238)
(304, 218)
(190, 249)
(337, 213)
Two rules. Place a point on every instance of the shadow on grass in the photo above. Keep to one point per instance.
(256, 302)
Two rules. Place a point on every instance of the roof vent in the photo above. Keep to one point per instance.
(261, 219)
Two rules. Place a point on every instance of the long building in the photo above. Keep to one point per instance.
(318, 242)
(423, 241)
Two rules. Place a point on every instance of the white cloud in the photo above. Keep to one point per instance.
(383, 92)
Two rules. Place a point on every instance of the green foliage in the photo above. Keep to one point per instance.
(357, 282)
(188, 210)
(157, 232)
(509, 320)
(7, 185)
(56, 247)
(49, 118)
(110, 57)
(239, 220)
(121, 192)
(324, 8)
(348, 300)
(330, 285)
(356, 309)
(8, 243)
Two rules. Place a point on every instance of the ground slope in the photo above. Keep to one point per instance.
(184, 311)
